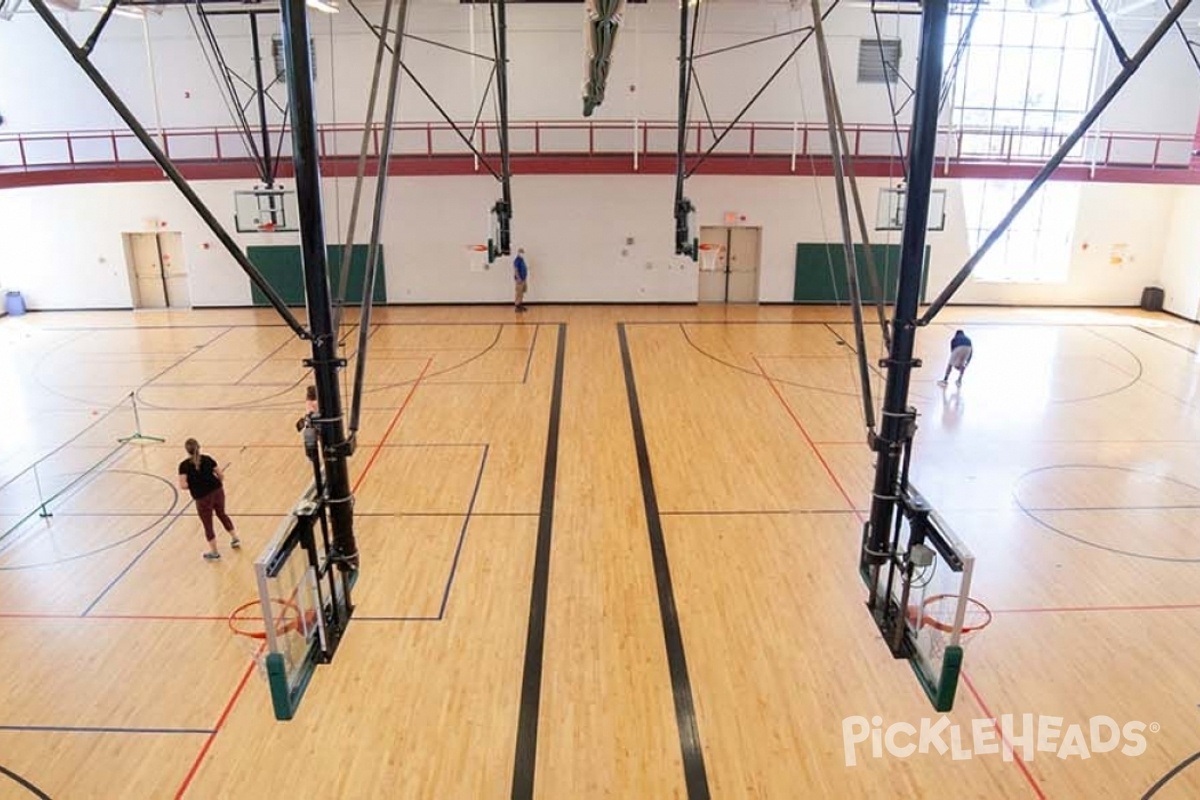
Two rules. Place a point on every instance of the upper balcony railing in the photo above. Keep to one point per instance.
(636, 140)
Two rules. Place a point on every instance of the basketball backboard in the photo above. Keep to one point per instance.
(304, 601)
(261, 210)
(889, 213)
(922, 595)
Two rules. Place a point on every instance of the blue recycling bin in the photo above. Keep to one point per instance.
(14, 304)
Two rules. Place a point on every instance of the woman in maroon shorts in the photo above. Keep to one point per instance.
(201, 476)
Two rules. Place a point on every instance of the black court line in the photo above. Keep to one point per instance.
(117, 579)
(27, 785)
(262, 361)
(462, 534)
(525, 761)
(1171, 342)
(532, 346)
(1165, 779)
(695, 774)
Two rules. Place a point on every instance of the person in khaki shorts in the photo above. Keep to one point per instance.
(520, 277)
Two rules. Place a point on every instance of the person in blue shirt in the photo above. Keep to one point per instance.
(520, 277)
(960, 357)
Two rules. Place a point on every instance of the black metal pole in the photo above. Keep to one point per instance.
(894, 429)
(1102, 102)
(683, 206)
(165, 164)
(325, 362)
(504, 207)
(268, 174)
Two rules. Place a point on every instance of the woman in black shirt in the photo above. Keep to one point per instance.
(201, 476)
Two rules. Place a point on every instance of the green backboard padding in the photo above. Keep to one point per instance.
(280, 265)
(821, 272)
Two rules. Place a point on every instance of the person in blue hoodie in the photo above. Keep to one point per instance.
(520, 278)
(960, 357)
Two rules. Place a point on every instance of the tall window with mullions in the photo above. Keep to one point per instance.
(1022, 77)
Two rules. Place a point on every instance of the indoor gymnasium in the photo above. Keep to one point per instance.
(463, 399)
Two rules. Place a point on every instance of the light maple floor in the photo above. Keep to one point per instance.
(1069, 461)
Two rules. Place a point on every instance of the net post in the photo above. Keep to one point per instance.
(37, 481)
(137, 435)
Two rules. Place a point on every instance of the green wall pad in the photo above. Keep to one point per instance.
(821, 272)
(280, 265)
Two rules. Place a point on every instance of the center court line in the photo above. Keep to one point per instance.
(191, 774)
(816, 451)
(1020, 762)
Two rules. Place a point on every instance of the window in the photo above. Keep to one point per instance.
(1022, 80)
(878, 60)
(1036, 248)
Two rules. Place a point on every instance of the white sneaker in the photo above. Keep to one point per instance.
(941, 383)
(958, 383)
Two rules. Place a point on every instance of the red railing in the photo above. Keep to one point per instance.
(634, 139)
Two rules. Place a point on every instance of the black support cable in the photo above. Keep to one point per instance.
(739, 45)
(421, 87)
(360, 174)
(94, 37)
(248, 135)
(1113, 39)
(166, 165)
(703, 102)
(1192, 46)
(385, 154)
(838, 155)
(758, 94)
(1102, 102)
(213, 72)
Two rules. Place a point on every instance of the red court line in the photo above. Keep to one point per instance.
(125, 617)
(187, 781)
(1072, 609)
(807, 438)
(379, 447)
(1020, 762)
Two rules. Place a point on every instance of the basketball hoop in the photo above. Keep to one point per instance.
(238, 620)
(266, 227)
(478, 248)
(710, 257)
(938, 612)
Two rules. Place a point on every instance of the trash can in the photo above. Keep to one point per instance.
(14, 304)
(1152, 298)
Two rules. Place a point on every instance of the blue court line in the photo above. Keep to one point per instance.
(91, 729)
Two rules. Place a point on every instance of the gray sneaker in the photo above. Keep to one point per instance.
(211, 556)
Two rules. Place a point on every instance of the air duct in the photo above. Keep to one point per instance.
(603, 18)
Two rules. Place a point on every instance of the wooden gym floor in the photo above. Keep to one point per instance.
(607, 552)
